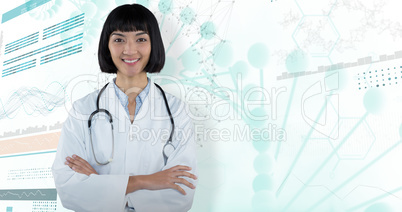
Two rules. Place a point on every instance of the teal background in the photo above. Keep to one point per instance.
(330, 136)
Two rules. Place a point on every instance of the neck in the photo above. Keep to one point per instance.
(132, 86)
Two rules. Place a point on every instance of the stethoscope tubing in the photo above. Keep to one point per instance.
(168, 142)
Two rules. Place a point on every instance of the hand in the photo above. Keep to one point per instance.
(79, 165)
(164, 179)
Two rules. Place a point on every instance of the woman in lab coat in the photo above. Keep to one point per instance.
(136, 175)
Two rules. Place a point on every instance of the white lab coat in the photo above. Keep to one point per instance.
(138, 151)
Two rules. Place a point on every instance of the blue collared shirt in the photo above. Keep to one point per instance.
(123, 98)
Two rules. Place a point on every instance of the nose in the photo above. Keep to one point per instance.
(130, 48)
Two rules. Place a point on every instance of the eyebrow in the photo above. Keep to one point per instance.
(119, 34)
(141, 33)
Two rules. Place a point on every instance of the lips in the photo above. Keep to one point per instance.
(131, 61)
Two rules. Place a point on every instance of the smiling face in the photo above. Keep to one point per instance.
(130, 52)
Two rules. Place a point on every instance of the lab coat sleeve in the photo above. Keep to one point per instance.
(167, 200)
(77, 191)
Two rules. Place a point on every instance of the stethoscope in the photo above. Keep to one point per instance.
(168, 148)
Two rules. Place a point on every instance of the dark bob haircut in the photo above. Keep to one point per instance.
(127, 18)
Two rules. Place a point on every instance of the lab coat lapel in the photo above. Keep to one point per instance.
(111, 103)
(148, 105)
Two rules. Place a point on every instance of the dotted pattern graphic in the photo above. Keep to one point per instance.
(379, 77)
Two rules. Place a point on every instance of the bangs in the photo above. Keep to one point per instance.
(128, 19)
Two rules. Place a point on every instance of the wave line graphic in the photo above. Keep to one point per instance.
(28, 194)
(33, 101)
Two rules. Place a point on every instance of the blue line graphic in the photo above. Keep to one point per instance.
(16, 45)
(10, 45)
(21, 43)
(19, 68)
(375, 199)
(296, 159)
(43, 49)
(56, 25)
(15, 70)
(69, 22)
(78, 51)
(35, 153)
(23, 69)
(63, 26)
(175, 37)
(385, 153)
(300, 191)
(25, 44)
(30, 5)
(285, 119)
(62, 53)
(64, 29)
(22, 65)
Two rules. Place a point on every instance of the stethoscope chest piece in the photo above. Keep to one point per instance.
(168, 149)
